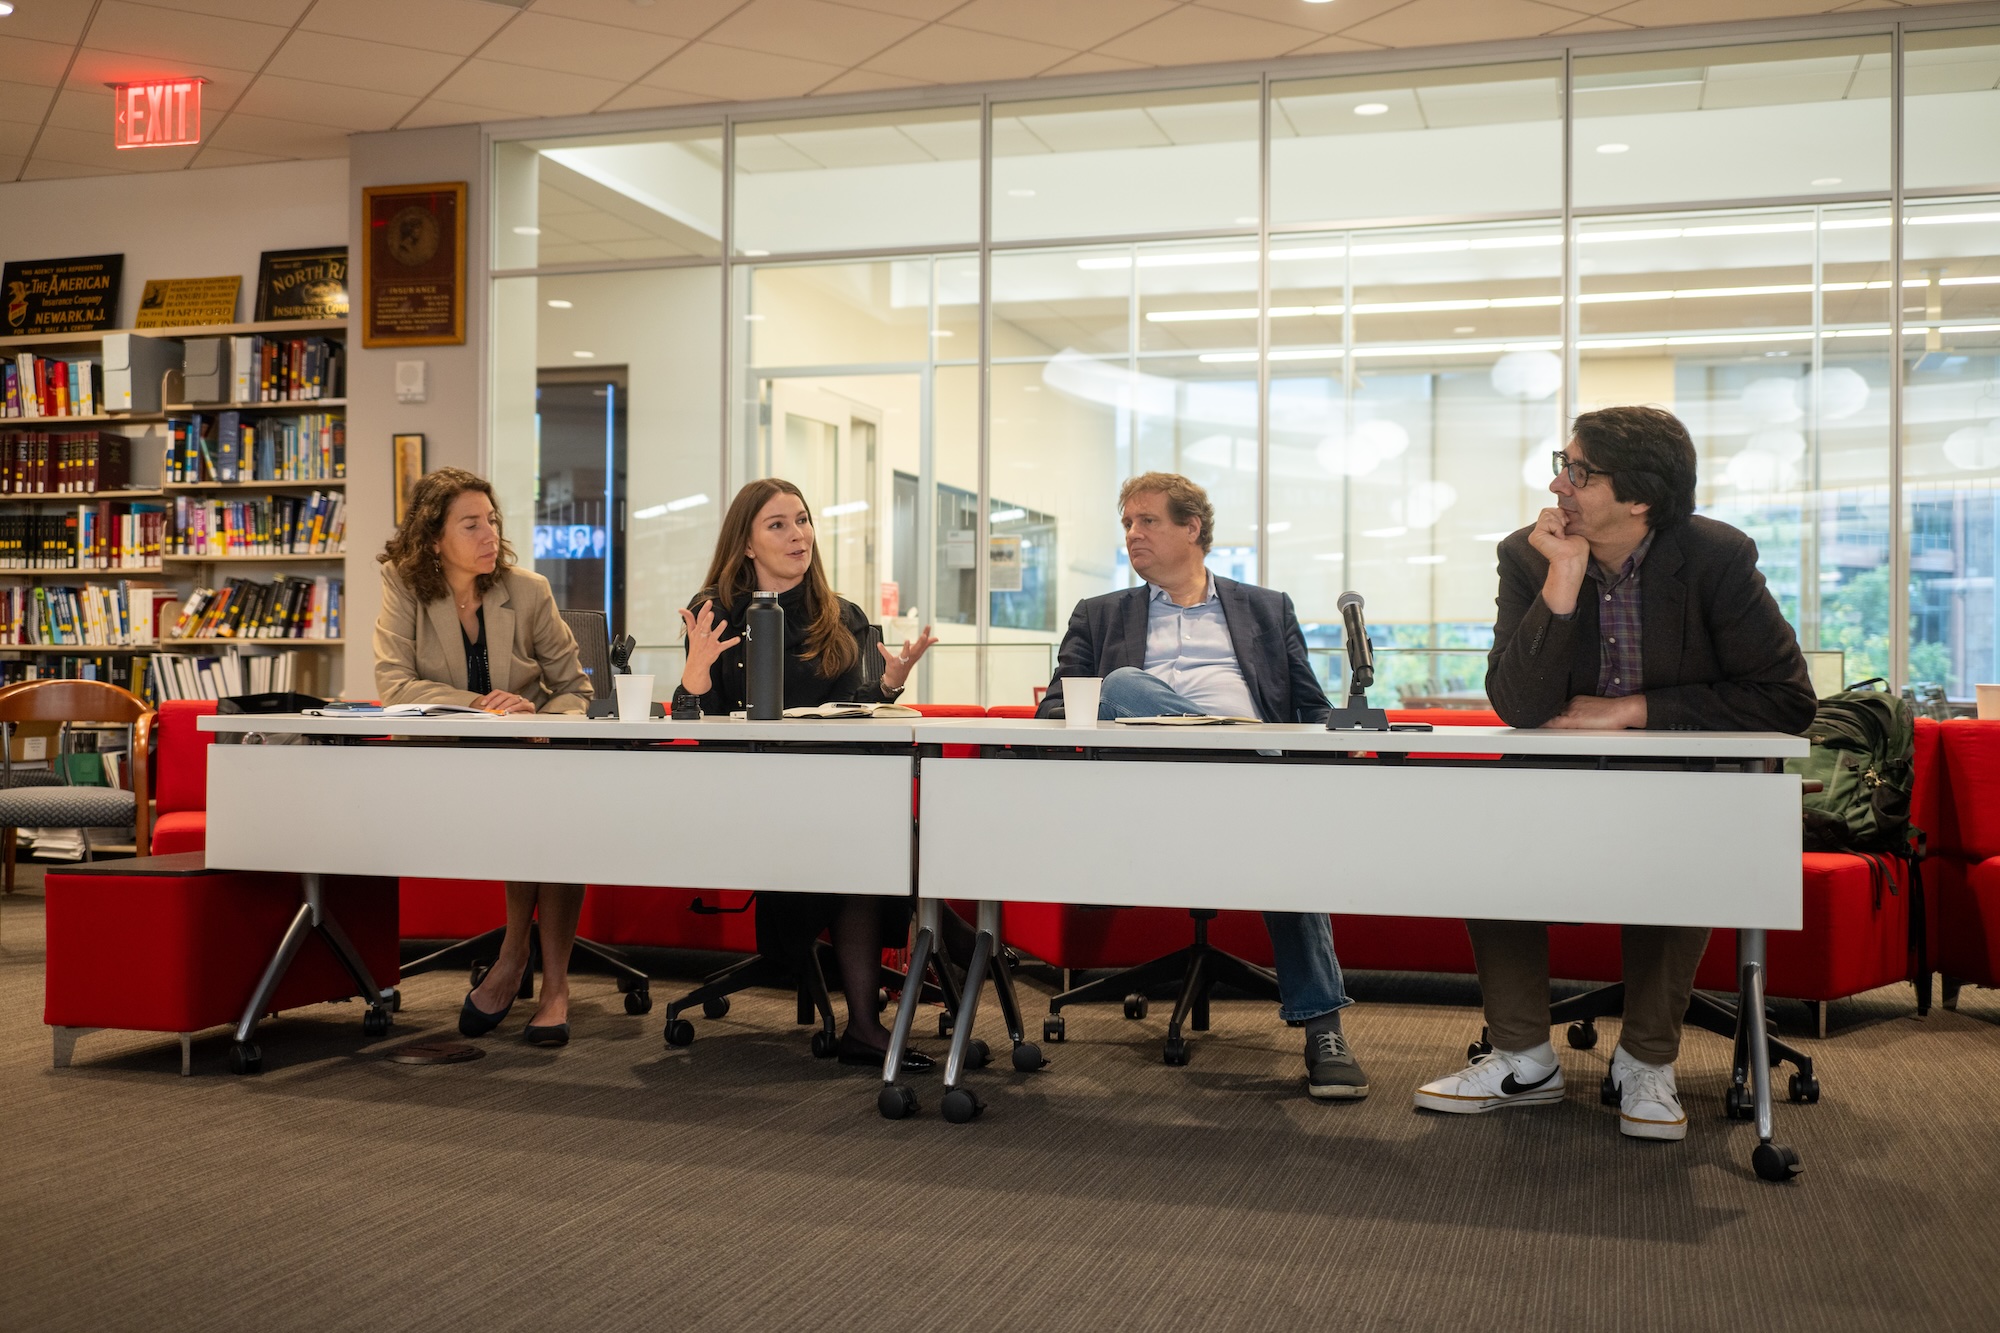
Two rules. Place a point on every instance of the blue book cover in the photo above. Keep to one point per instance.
(228, 446)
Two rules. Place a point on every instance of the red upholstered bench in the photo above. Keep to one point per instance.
(1964, 874)
(180, 788)
(163, 944)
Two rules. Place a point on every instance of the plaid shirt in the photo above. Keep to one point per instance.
(1619, 670)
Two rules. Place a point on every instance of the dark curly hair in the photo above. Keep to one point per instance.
(412, 551)
(1649, 455)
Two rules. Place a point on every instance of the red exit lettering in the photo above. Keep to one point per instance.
(157, 114)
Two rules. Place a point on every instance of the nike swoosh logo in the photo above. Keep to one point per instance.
(1513, 1087)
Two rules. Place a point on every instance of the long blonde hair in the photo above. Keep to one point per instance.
(732, 578)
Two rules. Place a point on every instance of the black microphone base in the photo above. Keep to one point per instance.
(1357, 719)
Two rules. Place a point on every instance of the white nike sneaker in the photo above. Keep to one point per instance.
(1502, 1078)
(1649, 1107)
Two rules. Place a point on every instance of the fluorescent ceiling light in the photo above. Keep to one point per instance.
(851, 507)
(1384, 533)
(942, 333)
(1424, 559)
(1248, 222)
(651, 511)
(1827, 180)
(527, 231)
(685, 502)
(1372, 109)
(1491, 536)
(584, 356)
(756, 254)
(1610, 148)
(1330, 555)
(1277, 527)
(1006, 515)
(559, 304)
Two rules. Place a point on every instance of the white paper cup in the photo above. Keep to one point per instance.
(1989, 702)
(1080, 699)
(635, 698)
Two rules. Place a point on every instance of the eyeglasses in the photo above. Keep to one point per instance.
(1579, 474)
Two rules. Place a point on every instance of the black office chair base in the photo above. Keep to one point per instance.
(1198, 969)
(476, 955)
(814, 996)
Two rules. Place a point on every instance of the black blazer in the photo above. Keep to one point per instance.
(1717, 654)
(1109, 632)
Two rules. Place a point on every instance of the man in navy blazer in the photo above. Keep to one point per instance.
(1187, 641)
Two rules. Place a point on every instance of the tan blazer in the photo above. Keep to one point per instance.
(420, 649)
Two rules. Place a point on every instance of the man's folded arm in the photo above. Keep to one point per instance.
(1527, 671)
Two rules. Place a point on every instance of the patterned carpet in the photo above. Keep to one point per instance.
(739, 1183)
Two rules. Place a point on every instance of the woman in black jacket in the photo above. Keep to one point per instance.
(767, 545)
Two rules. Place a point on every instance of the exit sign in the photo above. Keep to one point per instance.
(157, 114)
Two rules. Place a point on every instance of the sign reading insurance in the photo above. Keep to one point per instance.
(62, 295)
(413, 265)
(160, 113)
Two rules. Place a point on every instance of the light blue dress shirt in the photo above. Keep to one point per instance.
(1189, 650)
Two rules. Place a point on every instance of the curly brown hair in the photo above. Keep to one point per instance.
(412, 551)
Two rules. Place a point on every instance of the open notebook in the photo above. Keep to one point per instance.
(841, 710)
(1183, 720)
(404, 710)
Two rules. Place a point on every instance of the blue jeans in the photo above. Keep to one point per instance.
(1309, 981)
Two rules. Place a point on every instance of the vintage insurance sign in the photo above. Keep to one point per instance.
(61, 295)
(303, 284)
(188, 303)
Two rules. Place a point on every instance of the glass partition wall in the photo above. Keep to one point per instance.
(1357, 308)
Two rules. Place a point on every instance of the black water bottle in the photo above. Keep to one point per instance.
(764, 658)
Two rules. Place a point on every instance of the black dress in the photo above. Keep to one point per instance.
(788, 923)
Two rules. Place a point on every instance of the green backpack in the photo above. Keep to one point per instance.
(1863, 750)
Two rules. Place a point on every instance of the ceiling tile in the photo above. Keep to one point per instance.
(29, 61)
(16, 137)
(94, 69)
(727, 74)
(810, 30)
(85, 108)
(24, 101)
(283, 12)
(46, 168)
(527, 92)
(92, 148)
(373, 65)
(1447, 22)
(457, 26)
(942, 55)
(576, 47)
(330, 104)
(279, 138)
(1596, 25)
(927, 10)
(48, 22)
(1063, 22)
(437, 112)
(180, 38)
(639, 97)
(863, 80)
(1335, 46)
(1197, 36)
(1665, 13)
(228, 157)
(1336, 17)
(1094, 62)
(10, 167)
(669, 18)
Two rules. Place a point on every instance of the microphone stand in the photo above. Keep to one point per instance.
(1357, 715)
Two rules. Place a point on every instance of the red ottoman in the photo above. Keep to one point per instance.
(163, 944)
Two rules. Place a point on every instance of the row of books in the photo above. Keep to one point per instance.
(128, 671)
(314, 524)
(96, 615)
(233, 672)
(289, 608)
(44, 462)
(224, 447)
(107, 535)
(263, 369)
(44, 386)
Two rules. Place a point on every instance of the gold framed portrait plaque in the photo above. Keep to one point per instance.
(413, 265)
(409, 470)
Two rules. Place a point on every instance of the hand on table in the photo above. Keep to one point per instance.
(896, 666)
(500, 701)
(1590, 712)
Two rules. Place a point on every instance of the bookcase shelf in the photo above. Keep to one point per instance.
(66, 575)
(106, 650)
(28, 342)
(72, 497)
(338, 557)
(99, 418)
(295, 405)
(226, 487)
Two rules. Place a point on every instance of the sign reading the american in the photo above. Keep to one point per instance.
(62, 295)
(160, 113)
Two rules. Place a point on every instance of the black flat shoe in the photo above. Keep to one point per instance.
(857, 1053)
(551, 1034)
(476, 1022)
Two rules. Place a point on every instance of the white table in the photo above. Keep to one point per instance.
(1675, 828)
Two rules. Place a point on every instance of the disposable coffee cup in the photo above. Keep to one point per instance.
(1081, 695)
(635, 698)
(1989, 702)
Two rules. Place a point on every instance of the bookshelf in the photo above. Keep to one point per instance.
(149, 439)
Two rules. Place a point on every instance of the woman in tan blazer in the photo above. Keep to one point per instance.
(461, 625)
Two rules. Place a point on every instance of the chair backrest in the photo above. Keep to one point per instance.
(69, 701)
(593, 643)
(181, 753)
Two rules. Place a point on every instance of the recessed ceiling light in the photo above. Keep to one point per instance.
(1372, 109)
(560, 305)
(756, 254)
(1827, 180)
(1246, 222)
(584, 356)
(1465, 328)
(1319, 2)
(1020, 194)
(1614, 147)
(941, 333)
(527, 231)
(6, 8)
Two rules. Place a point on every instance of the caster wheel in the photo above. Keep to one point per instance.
(881, 998)
(1737, 1103)
(944, 1024)
(375, 1023)
(680, 1032)
(1174, 1052)
(1477, 1049)
(1054, 1029)
(1776, 1162)
(245, 1058)
(1805, 1088)
(978, 1054)
(1135, 1006)
(1583, 1036)
(395, 1001)
(960, 1105)
(716, 1008)
(1608, 1094)
(638, 1001)
(895, 1102)
(478, 973)
(1028, 1057)
(825, 1045)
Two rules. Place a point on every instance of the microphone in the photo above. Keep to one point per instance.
(1360, 652)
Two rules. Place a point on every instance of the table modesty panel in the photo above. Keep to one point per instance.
(827, 823)
(1629, 847)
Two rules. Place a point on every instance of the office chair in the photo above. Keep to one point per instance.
(593, 641)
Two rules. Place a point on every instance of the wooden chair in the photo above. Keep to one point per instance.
(66, 806)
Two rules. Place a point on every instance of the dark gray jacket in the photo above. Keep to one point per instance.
(1109, 632)
(1717, 653)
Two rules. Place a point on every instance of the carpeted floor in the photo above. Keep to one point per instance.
(739, 1183)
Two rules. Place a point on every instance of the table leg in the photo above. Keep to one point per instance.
(962, 1104)
(244, 1057)
(895, 1101)
(1773, 1161)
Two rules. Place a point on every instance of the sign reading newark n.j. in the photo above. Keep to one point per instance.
(61, 295)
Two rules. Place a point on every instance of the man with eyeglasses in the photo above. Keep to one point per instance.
(1621, 608)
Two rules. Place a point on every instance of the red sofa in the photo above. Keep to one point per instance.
(1963, 874)
(180, 784)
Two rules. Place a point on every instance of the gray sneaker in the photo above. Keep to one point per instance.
(1331, 1069)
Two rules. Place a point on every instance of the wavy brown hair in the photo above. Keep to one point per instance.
(732, 578)
(412, 551)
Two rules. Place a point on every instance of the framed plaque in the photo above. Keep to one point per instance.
(303, 284)
(188, 303)
(61, 295)
(413, 265)
(409, 470)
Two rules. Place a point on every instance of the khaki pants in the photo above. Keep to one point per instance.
(1660, 962)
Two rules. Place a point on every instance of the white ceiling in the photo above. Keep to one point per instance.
(291, 79)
